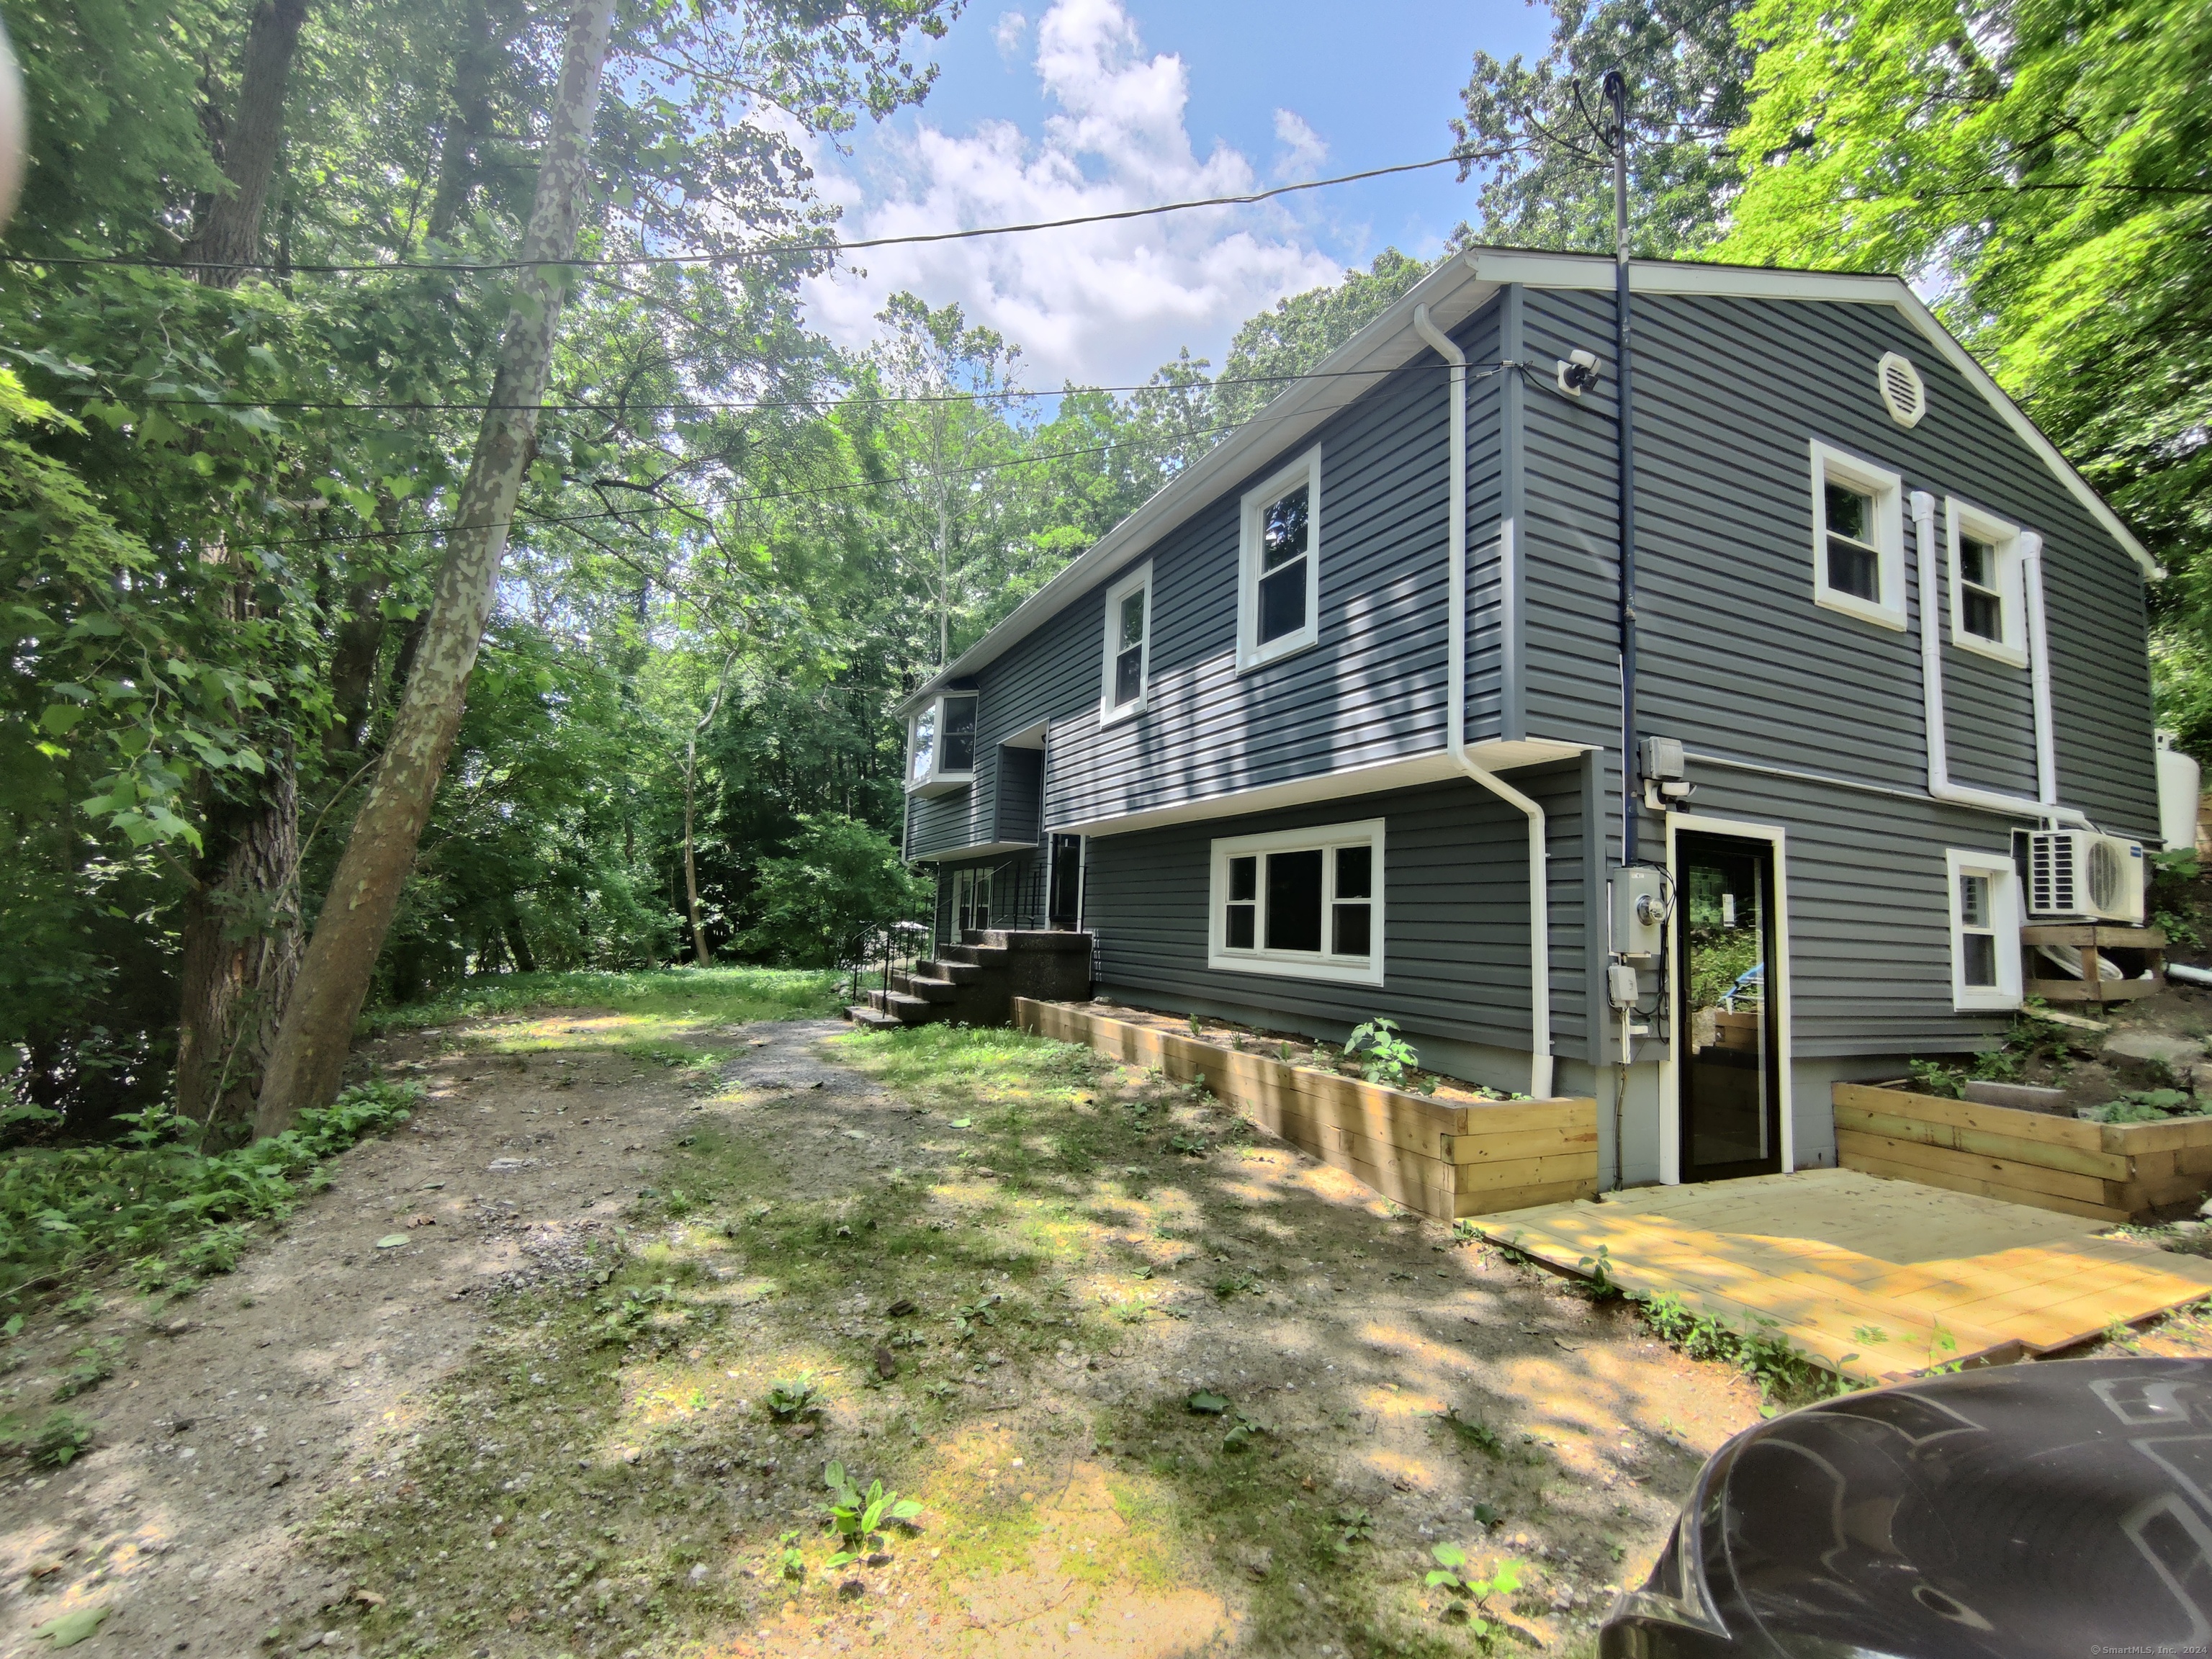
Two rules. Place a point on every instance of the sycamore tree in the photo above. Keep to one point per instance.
(2045, 169)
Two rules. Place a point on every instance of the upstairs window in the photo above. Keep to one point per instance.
(1984, 931)
(941, 745)
(1278, 601)
(1987, 598)
(1858, 538)
(1129, 645)
(1301, 903)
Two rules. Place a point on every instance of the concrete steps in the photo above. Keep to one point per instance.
(975, 981)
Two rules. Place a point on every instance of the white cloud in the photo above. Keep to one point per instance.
(1303, 148)
(1100, 303)
(1008, 31)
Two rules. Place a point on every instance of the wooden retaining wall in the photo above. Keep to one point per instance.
(1444, 1159)
(2108, 1171)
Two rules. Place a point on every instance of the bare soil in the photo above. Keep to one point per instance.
(504, 1387)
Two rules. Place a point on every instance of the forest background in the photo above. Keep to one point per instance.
(251, 312)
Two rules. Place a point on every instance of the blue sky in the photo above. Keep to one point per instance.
(1053, 108)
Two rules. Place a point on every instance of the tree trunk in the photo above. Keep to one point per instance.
(517, 943)
(309, 1057)
(691, 869)
(229, 237)
(241, 945)
(240, 954)
(461, 155)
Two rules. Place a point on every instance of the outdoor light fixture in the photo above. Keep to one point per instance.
(1578, 374)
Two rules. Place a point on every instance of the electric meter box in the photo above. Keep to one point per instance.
(1639, 910)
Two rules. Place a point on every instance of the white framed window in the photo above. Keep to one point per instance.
(1278, 565)
(1858, 538)
(940, 744)
(1127, 675)
(1984, 931)
(1987, 602)
(1300, 903)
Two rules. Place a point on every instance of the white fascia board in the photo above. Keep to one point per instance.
(1434, 767)
(1588, 272)
(1453, 292)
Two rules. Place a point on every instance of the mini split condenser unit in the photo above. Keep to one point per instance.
(2078, 875)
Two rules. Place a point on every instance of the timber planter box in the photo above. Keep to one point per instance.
(1443, 1158)
(2109, 1171)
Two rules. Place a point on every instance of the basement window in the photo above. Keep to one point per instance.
(1300, 903)
(1278, 580)
(1858, 538)
(1984, 931)
(1987, 600)
(941, 745)
(1129, 655)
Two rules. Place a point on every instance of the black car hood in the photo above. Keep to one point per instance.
(2045, 1509)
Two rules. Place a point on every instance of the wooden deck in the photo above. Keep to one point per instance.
(1876, 1278)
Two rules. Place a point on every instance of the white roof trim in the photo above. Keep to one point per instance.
(1453, 292)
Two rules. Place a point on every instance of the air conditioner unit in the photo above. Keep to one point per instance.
(2077, 875)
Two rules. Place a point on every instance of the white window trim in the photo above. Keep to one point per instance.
(1962, 521)
(1108, 713)
(2004, 915)
(1888, 492)
(1296, 964)
(937, 780)
(1250, 653)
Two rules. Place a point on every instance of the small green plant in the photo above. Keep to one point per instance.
(793, 1397)
(793, 1562)
(859, 1518)
(1932, 1077)
(971, 1315)
(2144, 1106)
(1353, 1525)
(1231, 1284)
(1600, 1268)
(1283, 1053)
(1481, 1436)
(1189, 1145)
(1471, 1595)
(1390, 1056)
(1196, 1029)
(59, 1439)
(95, 1363)
(1205, 1403)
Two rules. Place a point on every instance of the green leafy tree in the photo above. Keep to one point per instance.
(840, 878)
(1273, 349)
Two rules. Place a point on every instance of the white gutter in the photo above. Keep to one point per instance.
(1540, 940)
(2046, 805)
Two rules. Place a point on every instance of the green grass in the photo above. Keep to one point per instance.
(727, 994)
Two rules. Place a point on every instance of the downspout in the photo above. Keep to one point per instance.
(2046, 805)
(1540, 939)
(1616, 93)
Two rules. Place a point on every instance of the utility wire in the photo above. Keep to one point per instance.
(702, 510)
(767, 250)
(620, 407)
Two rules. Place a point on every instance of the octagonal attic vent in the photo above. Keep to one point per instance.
(1903, 393)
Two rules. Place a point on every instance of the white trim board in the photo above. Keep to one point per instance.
(981, 850)
(1434, 767)
(1670, 1099)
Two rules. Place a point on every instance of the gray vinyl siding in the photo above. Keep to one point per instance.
(1733, 655)
(1869, 914)
(1455, 915)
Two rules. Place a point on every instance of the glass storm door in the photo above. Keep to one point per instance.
(1728, 1024)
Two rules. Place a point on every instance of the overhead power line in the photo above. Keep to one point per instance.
(702, 510)
(765, 250)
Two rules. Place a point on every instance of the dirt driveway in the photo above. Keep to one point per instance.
(557, 1369)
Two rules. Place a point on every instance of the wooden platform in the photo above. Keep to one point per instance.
(1872, 1277)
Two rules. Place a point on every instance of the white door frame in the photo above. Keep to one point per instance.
(1670, 1076)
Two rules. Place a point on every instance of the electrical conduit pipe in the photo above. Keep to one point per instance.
(2046, 805)
(1540, 942)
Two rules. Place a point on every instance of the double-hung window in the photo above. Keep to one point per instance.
(1301, 903)
(1987, 597)
(1279, 579)
(941, 745)
(1858, 538)
(1128, 646)
(1984, 893)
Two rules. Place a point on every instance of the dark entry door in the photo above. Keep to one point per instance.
(1728, 1018)
(1065, 902)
